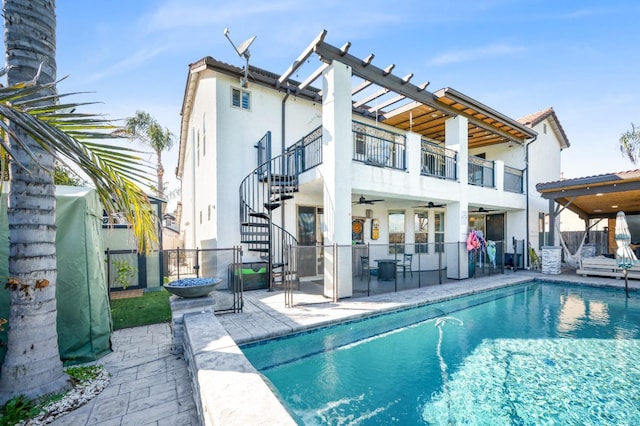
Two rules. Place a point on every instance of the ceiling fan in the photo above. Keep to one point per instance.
(429, 205)
(481, 210)
(363, 200)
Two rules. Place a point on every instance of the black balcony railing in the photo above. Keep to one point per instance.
(481, 172)
(306, 153)
(513, 180)
(378, 147)
(438, 161)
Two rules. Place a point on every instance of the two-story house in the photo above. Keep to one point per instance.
(354, 155)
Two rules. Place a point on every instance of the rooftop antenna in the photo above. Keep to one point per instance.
(243, 51)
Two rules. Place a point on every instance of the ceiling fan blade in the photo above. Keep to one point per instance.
(430, 205)
(363, 200)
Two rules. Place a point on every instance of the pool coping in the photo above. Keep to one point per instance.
(265, 316)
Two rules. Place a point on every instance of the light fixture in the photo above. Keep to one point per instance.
(614, 207)
(597, 211)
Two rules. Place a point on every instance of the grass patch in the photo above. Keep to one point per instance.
(151, 308)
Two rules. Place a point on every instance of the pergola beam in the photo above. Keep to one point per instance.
(360, 87)
(388, 102)
(371, 97)
(313, 77)
(303, 57)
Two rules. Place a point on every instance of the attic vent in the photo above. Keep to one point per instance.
(544, 128)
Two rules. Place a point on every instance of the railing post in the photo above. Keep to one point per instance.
(197, 265)
(335, 272)
(369, 276)
(440, 267)
(108, 272)
(178, 260)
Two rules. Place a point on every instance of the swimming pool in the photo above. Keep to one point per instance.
(530, 354)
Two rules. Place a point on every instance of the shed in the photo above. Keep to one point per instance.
(84, 318)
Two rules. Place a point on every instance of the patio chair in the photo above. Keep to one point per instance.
(407, 259)
(366, 267)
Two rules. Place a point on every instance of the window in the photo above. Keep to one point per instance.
(396, 231)
(544, 128)
(240, 99)
(420, 222)
(439, 231)
(209, 212)
(200, 217)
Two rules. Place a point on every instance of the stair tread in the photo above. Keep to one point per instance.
(271, 206)
(260, 214)
(256, 224)
(281, 198)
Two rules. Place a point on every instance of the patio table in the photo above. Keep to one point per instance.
(387, 269)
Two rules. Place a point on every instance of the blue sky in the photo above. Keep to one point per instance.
(518, 57)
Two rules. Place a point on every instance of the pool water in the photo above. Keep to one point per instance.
(532, 354)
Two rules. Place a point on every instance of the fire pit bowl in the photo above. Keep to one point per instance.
(192, 287)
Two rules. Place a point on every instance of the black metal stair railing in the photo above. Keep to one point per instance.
(264, 190)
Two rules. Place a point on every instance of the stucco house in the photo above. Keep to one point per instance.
(353, 155)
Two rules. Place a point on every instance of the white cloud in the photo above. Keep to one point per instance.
(128, 63)
(181, 14)
(469, 55)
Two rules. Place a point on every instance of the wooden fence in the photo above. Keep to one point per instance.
(597, 238)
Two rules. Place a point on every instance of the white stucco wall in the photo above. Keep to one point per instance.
(231, 134)
(544, 166)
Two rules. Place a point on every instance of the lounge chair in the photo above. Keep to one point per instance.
(605, 267)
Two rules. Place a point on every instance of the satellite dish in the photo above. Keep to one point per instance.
(243, 51)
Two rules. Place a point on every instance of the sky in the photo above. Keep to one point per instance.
(578, 56)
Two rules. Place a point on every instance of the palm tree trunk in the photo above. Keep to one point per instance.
(32, 365)
(160, 173)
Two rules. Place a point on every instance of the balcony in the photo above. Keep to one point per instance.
(437, 161)
(481, 172)
(382, 148)
(378, 147)
(306, 153)
(513, 180)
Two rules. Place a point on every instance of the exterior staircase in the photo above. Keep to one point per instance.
(262, 192)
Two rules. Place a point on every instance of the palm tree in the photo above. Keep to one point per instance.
(630, 144)
(36, 131)
(146, 130)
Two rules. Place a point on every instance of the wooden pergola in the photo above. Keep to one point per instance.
(593, 197)
(390, 99)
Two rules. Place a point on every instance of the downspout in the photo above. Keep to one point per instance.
(283, 144)
(526, 169)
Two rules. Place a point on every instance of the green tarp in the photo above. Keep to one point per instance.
(84, 318)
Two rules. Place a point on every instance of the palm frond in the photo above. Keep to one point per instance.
(117, 173)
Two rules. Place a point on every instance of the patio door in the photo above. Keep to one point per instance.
(310, 241)
(495, 232)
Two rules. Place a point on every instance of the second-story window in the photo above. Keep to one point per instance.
(241, 99)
